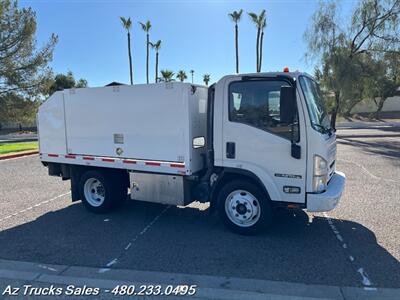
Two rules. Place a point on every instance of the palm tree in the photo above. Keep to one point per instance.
(258, 21)
(181, 75)
(206, 78)
(263, 25)
(127, 24)
(192, 72)
(235, 16)
(146, 28)
(167, 75)
(157, 47)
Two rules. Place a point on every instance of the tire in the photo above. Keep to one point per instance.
(100, 192)
(244, 208)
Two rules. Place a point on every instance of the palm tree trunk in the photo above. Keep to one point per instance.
(237, 48)
(147, 59)
(156, 66)
(130, 57)
(258, 48)
(261, 51)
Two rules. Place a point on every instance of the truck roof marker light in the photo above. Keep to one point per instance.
(286, 69)
(87, 158)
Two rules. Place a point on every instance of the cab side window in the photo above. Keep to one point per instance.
(257, 103)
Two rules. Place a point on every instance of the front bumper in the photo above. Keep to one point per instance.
(327, 200)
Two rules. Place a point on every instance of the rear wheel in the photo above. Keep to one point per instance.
(244, 208)
(100, 193)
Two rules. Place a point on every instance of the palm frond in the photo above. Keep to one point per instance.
(148, 25)
(253, 17)
(236, 15)
(126, 23)
(167, 75)
(157, 45)
(262, 15)
(143, 26)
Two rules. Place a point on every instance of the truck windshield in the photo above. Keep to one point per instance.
(319, 118)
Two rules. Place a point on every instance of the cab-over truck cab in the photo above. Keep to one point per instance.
(274, 144)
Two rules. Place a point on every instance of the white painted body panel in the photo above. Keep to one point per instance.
(260, 152)
(51, 125)
(158, 123)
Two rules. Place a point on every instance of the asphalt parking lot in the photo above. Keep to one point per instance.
(357, 244)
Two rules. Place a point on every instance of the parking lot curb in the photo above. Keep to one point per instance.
(16, 155)
(208, 287)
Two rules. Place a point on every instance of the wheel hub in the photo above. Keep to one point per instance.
(242, 208)
(94, 192)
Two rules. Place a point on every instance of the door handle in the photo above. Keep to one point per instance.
(230, 150)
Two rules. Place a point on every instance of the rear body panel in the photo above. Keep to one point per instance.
(145, 123)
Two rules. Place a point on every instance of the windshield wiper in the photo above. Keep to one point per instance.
(323, 129)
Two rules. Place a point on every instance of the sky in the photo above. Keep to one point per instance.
(195, 35)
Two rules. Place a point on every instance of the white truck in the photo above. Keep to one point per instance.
(248, 144)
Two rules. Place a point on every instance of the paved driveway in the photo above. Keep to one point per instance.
(357, 244)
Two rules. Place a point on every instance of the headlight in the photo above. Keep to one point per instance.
(320, 176)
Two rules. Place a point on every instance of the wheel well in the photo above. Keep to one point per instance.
(229, 175)
(76, 172)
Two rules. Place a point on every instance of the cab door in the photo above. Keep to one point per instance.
(256, 137)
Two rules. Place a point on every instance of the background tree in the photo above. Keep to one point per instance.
(127, 24)
(156, 46)
(167, 76)
(192, 73)
(181, 76)
(235, 16)
(206, 79)
(258, 20)
(23, 67)
(146, 28)
(16, 109)
(347, 50)
(386, 82)
(64, 81)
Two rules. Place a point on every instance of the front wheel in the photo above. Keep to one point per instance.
(244, 208)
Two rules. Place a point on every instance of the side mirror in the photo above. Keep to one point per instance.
(287, 104)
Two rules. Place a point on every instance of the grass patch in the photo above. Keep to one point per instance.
(8, 148)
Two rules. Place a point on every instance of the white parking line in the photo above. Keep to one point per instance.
(32, 207)
(112, 262)
(368, 286)
(132, 241)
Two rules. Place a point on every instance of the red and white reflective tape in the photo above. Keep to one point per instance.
(119, 161)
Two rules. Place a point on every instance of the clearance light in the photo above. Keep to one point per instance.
(286, 69)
